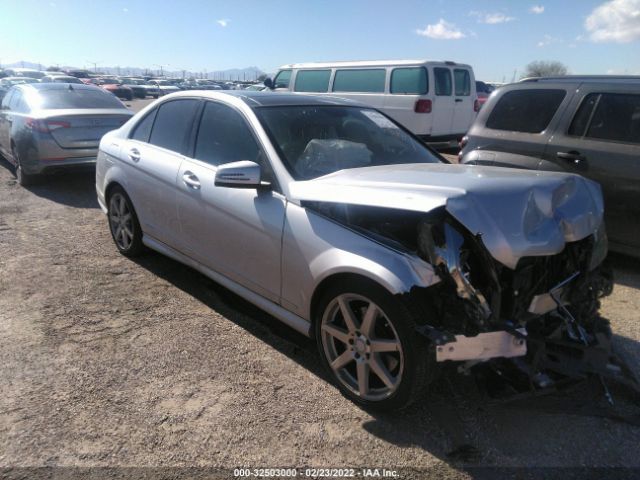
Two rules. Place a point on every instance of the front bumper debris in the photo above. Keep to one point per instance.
(483, 346)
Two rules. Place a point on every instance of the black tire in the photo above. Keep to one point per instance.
(24, 179)
(417, 367)
(126, 232)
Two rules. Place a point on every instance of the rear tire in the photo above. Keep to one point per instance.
(376, 358)
(123, 223)
(24, 179)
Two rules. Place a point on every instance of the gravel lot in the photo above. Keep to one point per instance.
(106, 361)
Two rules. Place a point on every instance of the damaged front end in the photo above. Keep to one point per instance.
(537, 323)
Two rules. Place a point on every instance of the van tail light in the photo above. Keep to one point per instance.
(423, 106)
(45, 126)
(476, 105)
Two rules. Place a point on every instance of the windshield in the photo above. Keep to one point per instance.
(318, 140)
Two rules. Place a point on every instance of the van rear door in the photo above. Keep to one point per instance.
(464, 87)
(443, 102)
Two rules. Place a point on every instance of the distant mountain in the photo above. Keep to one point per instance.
(248, 73)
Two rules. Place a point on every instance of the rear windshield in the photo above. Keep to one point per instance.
(528, 111)
(69, 98)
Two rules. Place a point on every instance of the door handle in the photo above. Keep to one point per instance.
(134, 155)
(190, 180)
(573, 156)
(458, 100)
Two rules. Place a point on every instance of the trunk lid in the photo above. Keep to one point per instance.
(83, 129)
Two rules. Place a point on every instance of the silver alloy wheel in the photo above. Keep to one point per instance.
(120, 221)
(362, 347)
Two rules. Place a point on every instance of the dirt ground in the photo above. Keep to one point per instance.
(105, 361)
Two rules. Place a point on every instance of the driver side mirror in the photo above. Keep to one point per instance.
(242, 174)
(268, 83)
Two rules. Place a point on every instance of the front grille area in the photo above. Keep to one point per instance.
(537, 275)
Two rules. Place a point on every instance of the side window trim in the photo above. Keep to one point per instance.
(591, 114)
(153, 112)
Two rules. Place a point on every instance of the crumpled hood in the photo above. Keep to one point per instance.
(518, 213)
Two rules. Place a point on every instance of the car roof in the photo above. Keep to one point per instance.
(632, 79)
(372, 63)
(256, 99)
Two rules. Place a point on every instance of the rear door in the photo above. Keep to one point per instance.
(234, 231)
(520, 121)
(5, 124)
(153, 155)
(464, 90)
(600, 139)
(443, 102)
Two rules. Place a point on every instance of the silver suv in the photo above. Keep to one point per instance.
(334, 219)
(584, 125)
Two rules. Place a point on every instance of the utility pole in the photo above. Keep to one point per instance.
(161, 68)
(95, 66)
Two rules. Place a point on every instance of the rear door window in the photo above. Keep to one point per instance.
(78, 98)
(443, 81)
(362, 81)
(608, 116)
(528, 111)
(282, 79)
(312, 81)
(462, 81)
(409, 81)
(173, 124)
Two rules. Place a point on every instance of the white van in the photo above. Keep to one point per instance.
(435, 100)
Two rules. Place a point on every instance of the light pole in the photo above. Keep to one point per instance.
(95, 66)
(161, 68)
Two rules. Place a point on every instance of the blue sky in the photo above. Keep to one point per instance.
(496, 37)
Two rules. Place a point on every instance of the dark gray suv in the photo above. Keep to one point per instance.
(585, 125)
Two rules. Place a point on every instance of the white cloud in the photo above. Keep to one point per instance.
(223, 22)
(442, 30)
(537, 9)
(615, 21)
(548, 40)
(491, 18)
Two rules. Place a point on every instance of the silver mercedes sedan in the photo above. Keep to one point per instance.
(46, 127)
(334, 219)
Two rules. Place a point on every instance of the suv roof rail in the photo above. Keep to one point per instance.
(582, 78)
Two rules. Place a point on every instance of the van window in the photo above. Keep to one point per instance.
(282, 79)
(616, 117)
(462, 82)
(409, 81)
(312, 81)
(443, 81)
(528, 111)
(360, 81)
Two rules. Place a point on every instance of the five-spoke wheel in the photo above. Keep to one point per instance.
(369, 345)
(123, 223)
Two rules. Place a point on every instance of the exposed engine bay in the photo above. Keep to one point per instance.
(537, 324)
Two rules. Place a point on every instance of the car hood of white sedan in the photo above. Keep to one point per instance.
(517, 213)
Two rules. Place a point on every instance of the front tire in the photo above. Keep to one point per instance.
(368, 344)
(123, 224)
